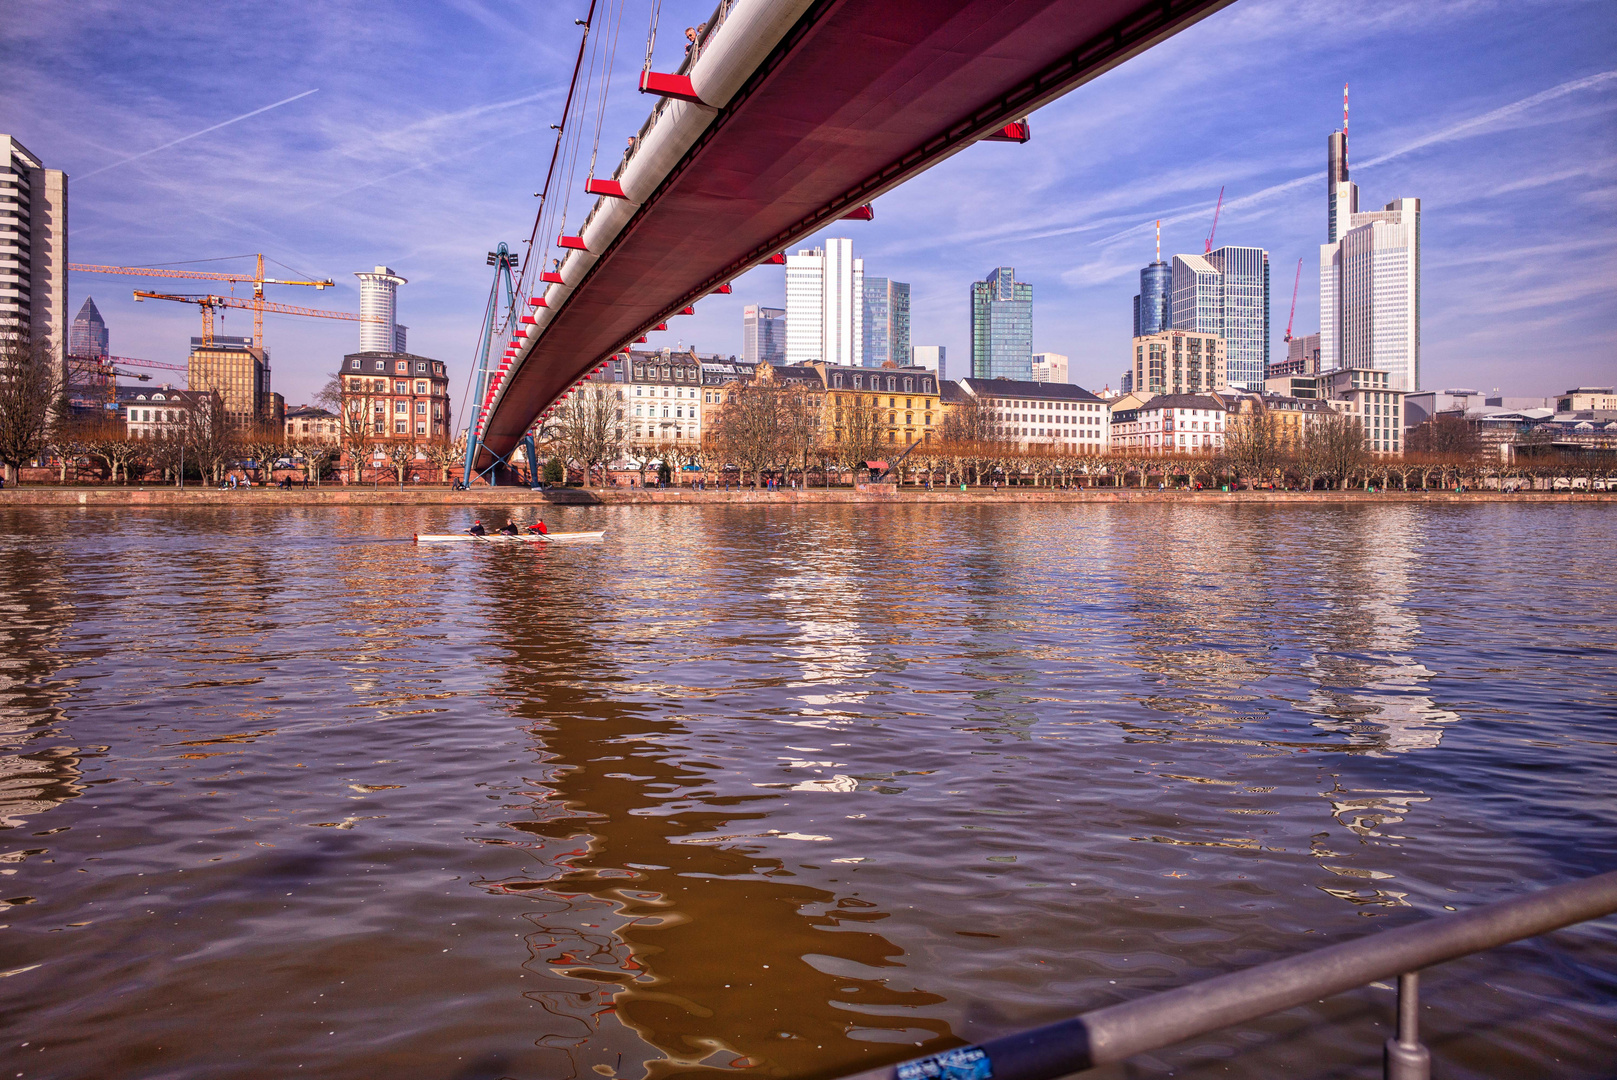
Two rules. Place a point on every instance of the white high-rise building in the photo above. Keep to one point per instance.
(33, 246)
(378, 310)
(825, 305)
(1050, 367)
(1369, 279)
(932, 357)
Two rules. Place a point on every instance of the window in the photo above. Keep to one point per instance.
(401, 407)
(836, 381)
(380, 366)
(421, 408)
(402, 367)
(909, 385)
(420, 387)
(421, 367)
(401, 427)
(354, 364)
(401, 388)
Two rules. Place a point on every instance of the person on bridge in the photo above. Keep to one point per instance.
(509, 528)
(538, 527)
(477, 529)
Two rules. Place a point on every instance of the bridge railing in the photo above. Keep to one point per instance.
(1109, 1035)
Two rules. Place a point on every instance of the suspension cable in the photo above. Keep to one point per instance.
(651, 37)
(606, 79)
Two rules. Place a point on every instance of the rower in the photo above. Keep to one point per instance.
(509, 528)
(539, 527)
(477, 529)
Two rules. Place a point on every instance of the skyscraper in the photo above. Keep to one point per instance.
(1153, 306)
(33, 262)
(763, 334)
(1049, 367)
(237, 372)
(378, 306)
(1226, 292)
(932, 357)
(89, 337)
(825, 304)
(887, 322)
(1369, 278)
(1001, 326)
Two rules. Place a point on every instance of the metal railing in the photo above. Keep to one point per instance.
(1117, 1032)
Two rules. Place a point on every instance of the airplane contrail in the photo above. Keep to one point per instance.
(194, 134)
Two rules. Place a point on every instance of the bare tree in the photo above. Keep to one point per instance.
(1252, 441)
(264, 447)
(859, 425)
(446, 454)
(1334, 448)
(357, 425)
(402, 452)
(748, 429)
(30, 388)
(800, 425)
(590, 427)
(1445, 433)
(330, 396)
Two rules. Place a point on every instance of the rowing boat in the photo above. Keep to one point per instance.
(502, 538)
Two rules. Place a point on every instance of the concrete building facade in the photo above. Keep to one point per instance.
(1060, 416)
(396, 396)
(235, 370)
(379, 331)
(1179, 362)
(33, 247)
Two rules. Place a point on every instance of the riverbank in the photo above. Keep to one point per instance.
(519, 496)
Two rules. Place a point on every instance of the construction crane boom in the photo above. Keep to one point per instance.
(258, 281)
(1208, 250)
(208, 302)
(1293, 315)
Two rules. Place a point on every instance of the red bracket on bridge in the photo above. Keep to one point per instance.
(725, 289)
(777, 259)
(1016, 131)
(641, 340)
(863, 213)
(530, 320)
(538, 301)
(610, 188)
(576, 243)
(552, 277)
(674, 86)
(687, 311)
(660, 326)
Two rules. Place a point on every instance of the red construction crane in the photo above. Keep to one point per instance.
(1294, 285)
(258, 305)
(1208, 250)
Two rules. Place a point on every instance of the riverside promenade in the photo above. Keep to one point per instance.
(352, 495)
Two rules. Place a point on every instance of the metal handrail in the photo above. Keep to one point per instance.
(1117, 1032)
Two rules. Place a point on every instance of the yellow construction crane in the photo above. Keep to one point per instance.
(258, 304)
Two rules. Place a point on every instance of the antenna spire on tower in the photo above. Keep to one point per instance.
(1344, 126)
(1159, 239)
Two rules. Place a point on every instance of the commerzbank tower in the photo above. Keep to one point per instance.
(1369, 277)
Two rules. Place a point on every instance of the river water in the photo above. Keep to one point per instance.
(787, 791)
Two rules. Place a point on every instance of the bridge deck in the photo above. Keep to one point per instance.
(858, 97)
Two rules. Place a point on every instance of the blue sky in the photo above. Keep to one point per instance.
(428, 131)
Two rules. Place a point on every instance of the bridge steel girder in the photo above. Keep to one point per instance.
(856, 98)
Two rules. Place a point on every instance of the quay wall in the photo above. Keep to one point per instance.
(519, 496)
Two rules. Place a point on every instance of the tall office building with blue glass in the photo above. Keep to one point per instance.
(1226, 292)
(1153, 305)
(1001, 326)
(886, 322)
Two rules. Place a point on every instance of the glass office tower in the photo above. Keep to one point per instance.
(886, 322)
(1001, 326)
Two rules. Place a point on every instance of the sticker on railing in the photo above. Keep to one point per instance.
(966, 1063)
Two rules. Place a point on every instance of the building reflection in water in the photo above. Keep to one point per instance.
(1369, 688)
(35, 614)
(667, 931)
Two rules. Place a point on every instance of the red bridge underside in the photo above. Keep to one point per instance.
(860, 96)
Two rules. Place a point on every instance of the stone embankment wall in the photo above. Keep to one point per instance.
(483, 496)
